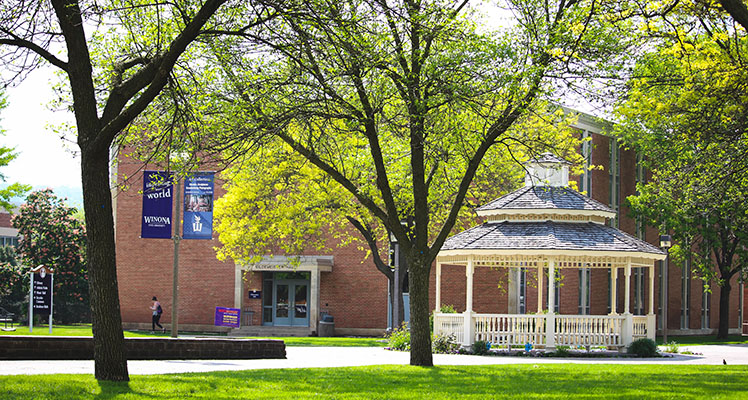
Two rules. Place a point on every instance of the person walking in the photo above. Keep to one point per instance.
(157, 311)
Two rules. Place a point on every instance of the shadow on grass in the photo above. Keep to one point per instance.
(541, 381)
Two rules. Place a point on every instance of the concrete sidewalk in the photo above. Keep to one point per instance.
(326, 357)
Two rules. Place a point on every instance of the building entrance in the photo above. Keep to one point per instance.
(289, 303)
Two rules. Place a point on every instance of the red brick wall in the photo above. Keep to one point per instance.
(355, 293)
(5, 220)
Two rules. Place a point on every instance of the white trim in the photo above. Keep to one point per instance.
(541, 211)
(290, 263)
(541, 253)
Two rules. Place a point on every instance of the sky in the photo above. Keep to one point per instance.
(28, 123)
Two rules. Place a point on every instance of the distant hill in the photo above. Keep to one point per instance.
(73, 195)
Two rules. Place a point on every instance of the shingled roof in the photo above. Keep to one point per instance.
(548, 158)
(545, 197)
(547, 235)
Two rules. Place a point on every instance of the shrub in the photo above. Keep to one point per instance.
(480, 347)
(672, 347)
(444, 344)
(399, 339)
(561, 351)
(643, 348)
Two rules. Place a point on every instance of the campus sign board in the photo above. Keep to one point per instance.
(226, 316)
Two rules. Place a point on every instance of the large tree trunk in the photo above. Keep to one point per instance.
(724, 310)
(109, 342)
(420, 331)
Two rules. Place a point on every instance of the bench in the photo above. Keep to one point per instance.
(7, 317)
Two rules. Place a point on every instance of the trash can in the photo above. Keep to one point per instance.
(248, 315)
(326, 326)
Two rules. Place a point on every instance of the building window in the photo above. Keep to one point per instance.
(584, 291)
(9, 241)
(661, 293)
(557, 295)
(641, 178)
(706, 299)
(522, 290)
(685, 295)
(615, 179)
(639, 291)
(586, 186)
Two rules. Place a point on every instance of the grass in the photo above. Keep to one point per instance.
(704, 340)
(544, 381)
(85, 330)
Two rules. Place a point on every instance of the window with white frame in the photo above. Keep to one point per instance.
(706, 299)
(615, 179)
(586, 186)
(584, 291)
(685, 298)
(639, 290)
(522, 291)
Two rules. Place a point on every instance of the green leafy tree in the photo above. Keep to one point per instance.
(7, 154)
(685, 108)
(53, 237)
(110, 74)
(14, 282)
(399, 103)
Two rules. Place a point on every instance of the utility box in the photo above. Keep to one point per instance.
(326, 326)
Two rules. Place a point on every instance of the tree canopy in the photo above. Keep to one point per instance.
(400, 103)
(686, 109)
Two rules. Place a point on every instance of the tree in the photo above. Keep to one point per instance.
(685, 109)
(14, 281)
(108, 90)
(53, 237)
(7, 155)
(400, 102)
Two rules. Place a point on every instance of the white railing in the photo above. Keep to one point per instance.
(640, 327)
(450, 324)
(510, 330)
(589, 330)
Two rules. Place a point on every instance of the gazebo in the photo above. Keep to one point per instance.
(546, 226)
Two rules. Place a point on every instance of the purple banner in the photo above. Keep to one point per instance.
(227, 317)
(198, 206)
(157, 203)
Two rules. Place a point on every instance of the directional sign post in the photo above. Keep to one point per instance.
(40, 294)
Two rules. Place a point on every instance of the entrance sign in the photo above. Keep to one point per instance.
(227, 317)
(157, 203)
(198, 206)
(40, 294)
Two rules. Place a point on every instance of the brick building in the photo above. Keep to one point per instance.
(342, 282)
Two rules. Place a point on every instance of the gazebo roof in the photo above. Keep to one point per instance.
(548, 158)
(547, 236)
(544, 198)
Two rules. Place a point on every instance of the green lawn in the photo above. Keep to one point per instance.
(700, 340)
(85, 330)
(544, 381)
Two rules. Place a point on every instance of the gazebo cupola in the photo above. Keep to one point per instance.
(547, 170)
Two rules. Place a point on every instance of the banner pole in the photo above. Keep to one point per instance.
(31, 302)
(51, 300)
(175, 273)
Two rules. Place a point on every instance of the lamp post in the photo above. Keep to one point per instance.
(665, 243)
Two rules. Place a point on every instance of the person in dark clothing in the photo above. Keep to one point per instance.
(157, 311)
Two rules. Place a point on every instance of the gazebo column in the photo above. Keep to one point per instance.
(651, 317)
(438, 306)
(469, 329)
(550, 317)
(628, 320)
(613, 290)
(540, 290)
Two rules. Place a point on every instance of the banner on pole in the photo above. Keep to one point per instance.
(198, 206)
(157, 204)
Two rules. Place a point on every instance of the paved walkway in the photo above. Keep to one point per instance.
(324, 357)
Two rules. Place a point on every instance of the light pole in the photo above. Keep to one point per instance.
(665, 243)
(175, 271)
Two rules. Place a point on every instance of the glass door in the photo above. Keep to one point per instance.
(290, 301)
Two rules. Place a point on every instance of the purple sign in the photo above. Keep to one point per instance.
(198, 206)
(227, 317)
(42, 292)
(157, 202)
